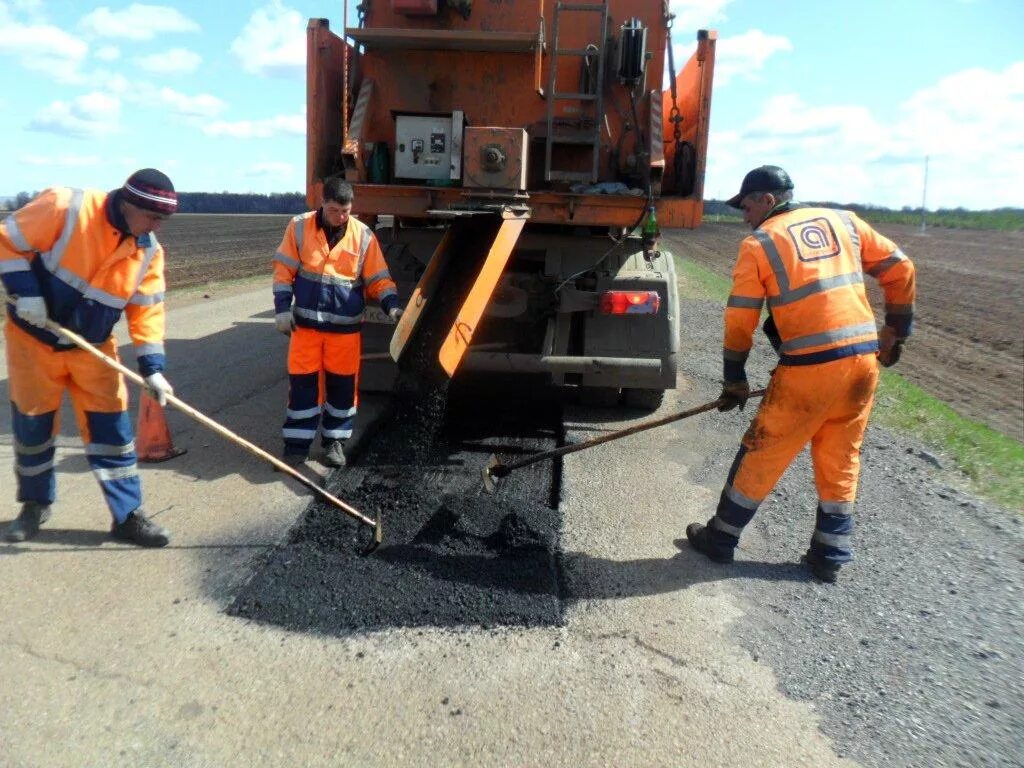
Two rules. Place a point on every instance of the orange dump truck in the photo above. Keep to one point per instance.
(517, 158)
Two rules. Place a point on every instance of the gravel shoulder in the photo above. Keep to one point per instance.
(916, 657)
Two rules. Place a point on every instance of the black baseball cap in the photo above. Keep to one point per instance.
(767, 178)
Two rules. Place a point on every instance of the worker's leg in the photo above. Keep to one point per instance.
(37, 378)
(305, 360)
(835, 450)
(100, 397)
(795, 404)
(341, 363)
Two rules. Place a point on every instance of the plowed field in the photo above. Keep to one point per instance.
(968, 343)
(967, 348)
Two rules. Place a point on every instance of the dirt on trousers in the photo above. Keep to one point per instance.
(967, 348)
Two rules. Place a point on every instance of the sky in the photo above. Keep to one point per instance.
(849, 97)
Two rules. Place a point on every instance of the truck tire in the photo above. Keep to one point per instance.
(599, 397)
(643, 399)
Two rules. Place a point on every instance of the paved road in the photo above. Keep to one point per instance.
(114, 656)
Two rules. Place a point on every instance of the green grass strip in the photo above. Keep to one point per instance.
(993, 462)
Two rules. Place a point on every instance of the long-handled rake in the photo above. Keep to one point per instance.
(495, 470)
(223, 431)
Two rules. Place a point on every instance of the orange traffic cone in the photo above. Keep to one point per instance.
(153, 438)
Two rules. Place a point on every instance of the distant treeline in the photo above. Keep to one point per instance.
(229, 202)
(1002, 219)
(216, 202)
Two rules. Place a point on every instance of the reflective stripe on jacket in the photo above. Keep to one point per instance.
(62, 246)
(328, 285)
(808, 264)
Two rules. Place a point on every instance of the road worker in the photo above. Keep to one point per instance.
(327, 264)
(808, 263)
(81, 258)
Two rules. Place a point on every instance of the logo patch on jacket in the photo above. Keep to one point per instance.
(814, 239)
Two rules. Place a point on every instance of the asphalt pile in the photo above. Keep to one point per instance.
(452, 555)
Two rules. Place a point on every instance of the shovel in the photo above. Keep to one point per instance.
(223, 431)
(495, 470)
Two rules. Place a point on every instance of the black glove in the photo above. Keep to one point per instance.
(890, 358)
(890, 346)
(734, 394)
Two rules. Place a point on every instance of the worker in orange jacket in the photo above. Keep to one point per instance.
(808, 264)
(328, 263)
(81, 258)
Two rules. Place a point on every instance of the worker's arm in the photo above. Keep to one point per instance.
(742, 312)
(286, 265)
(28, 231)
(882, 259)
(147, 317)
(377, 280)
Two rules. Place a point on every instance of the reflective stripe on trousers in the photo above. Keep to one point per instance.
(827, 405)
(323, 386)
(39, 377)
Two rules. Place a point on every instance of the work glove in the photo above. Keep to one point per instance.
(32, 309)
(395, 314)
(734, 394)
(890, 346)
(159, 387)
(285, 322)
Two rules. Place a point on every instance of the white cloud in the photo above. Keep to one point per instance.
(967, 124)
(745, 55)
(293, 125)
(270, 169)
(692, 15)
(60, 161)
(91, 115)
(203, 105)
(172, 62)
(108, 53)
(137, 22)
(273, 42)
(42, 47)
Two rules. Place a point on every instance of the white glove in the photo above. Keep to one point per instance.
(32, 309)
(159, 387)
(395, 314)
(285, 322)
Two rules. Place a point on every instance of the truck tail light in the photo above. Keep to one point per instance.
(630, 303)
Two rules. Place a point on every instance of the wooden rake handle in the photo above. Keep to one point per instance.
(503, 469)
(220, 429)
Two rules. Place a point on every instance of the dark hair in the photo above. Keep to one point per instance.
(338, 191)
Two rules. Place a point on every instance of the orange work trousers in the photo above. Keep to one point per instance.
(827, 405)
(38, 377)
(323, 379)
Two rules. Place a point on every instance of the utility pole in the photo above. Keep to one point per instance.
(924, 195)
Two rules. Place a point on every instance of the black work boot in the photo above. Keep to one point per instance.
(824, 570)
(139, 529)
(26, 525)
(334, 454)
(699, 537)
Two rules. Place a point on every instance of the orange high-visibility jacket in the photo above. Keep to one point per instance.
(328, 284)
(64, 247)
(809, 264)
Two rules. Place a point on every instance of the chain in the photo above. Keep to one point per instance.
(674, 116)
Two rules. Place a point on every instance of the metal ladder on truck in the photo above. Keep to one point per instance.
(591, 138)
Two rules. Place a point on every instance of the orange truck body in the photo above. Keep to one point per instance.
(551, 115)
(495, 67)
